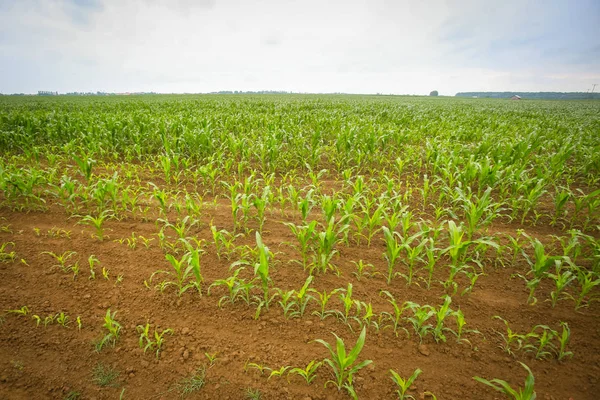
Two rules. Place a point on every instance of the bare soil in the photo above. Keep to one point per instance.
(38, 362)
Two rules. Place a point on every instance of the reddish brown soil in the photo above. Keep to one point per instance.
(47, 363)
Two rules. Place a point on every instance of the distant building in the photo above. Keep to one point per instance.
(516, 97)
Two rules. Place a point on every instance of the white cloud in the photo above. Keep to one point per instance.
(312, 46)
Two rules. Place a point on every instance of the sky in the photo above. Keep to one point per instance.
(350, 46)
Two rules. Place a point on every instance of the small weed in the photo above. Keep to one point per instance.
(104, 376)
(253, 394)
(193, 383)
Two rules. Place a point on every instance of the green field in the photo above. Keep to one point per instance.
(232, 234)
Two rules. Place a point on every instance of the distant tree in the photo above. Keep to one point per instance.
(434, 93)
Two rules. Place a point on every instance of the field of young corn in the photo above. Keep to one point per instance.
(299, 247)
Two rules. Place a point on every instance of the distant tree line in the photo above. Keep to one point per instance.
(251, 92)
(532, 95)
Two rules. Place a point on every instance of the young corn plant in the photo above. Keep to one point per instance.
(479, 212)
(306, 236)
(326, 241)
(237, 288)
(432, 255)
(364, 270)
(526, 393)
(186, 272)
(152, 342)
(261, 270)
(279, 372)
(404, 384)
(440, 316)
(302, 298)
(563, 340)
(224, 241)
(308, 373)
(373, 223)
(421, 314)
(395, 318)
(539, 266)
(85, 164)
(113, 330)
(413, 255)
(5, 255)
(97, 222)
(588, 280)
(260, 204)
(323, 299)
(342, 363)
(305, 204)
(392, 251)
(511, 339)
(181, 227)
(460, 327)
(348, 303)
(458, 251)
(62, 259)
(286, 302)
(562, 279)
(543, 347)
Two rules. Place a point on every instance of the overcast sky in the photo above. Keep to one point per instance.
(371, 46)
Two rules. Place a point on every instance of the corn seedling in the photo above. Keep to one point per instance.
(85, 164)
(561, 279)
(224, 241)
(511, 339)
(261, 270)
(342, 363)
(440, 316)
(544, 346)
(186, 272)
(152, 342)
(421, 314)
(563, 339)
(588, 280)
(61, 259)
(113, 329)
(540, 265)
(259, 367)
(212, 358)
(306, 236)
(97, 222)
(286, 304)
(323, 299)
(404, 384)
(62, 319)
(237, 288)
(347, 302)
(309, 373)
(413, 254)
(50, 319)
(526, 393)
(92, 261)
(326, 241)
(392, 251)
(460, 327)
(23, 311)
(395, 317)
(302, 298)
(278, 372)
